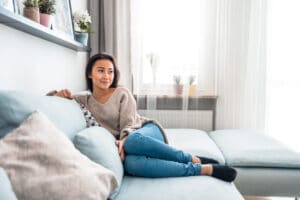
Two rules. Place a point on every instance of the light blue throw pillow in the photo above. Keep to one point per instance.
(6, 191)
(98, 144)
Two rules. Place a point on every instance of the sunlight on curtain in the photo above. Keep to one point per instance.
(283, 62)
(171, 38)
(240, 62)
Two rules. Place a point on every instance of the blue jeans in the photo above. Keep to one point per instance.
(147, 155)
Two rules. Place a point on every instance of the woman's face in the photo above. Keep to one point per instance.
(102, 74)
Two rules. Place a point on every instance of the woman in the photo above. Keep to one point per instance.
(141, 142)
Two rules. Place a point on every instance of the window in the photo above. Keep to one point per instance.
(172, 38)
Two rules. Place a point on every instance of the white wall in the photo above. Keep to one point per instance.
(283, 83)
(33, 64)
(79, 4)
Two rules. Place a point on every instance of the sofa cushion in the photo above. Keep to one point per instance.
(42, 163)
(246, 148)
(179, 188)
(15, 107)
(98, 144)
(194, 141)
(6, 191)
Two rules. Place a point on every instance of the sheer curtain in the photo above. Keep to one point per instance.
(283, 82)
(240, 63)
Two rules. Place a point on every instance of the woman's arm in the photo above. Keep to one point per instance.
(128, 115)
(128, 120)
(65, 93)
(120, 145)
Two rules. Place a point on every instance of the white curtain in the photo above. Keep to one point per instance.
(240, 63)
(283, 82)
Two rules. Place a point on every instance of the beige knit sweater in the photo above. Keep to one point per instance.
(118, 114)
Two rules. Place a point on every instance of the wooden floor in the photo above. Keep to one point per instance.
(268, 198)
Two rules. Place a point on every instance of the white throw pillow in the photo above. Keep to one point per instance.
(43, 164)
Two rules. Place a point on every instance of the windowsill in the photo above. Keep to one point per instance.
(178, 96)
(167, 90)
(21, 23)
(169, 102)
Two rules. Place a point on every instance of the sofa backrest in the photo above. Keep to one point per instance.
(16, 106)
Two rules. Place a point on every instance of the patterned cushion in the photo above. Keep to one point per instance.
(89, 118)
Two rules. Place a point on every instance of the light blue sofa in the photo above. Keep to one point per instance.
(265, 166)
(255, 162)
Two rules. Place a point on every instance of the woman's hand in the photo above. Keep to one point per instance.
(120, 144)
(65, 93)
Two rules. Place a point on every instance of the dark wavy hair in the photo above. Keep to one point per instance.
(89, 68)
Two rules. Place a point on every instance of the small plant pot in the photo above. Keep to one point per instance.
(45, 19)
(178, 89)
(192, 90)
(82, 37)
(32, 13)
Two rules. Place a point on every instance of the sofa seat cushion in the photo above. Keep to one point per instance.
(179, 188)
(194, 141)
(15, 107)
(246, 148)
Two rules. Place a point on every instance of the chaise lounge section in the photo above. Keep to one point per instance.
(265, 166)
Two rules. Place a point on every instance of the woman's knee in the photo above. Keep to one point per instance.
(151, 124)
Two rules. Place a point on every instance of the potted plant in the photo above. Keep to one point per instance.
(178, 86)
(192, 86)
(31, 10)
(82, 24)
(47, 8)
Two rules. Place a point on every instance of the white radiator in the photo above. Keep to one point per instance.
(197, 119)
